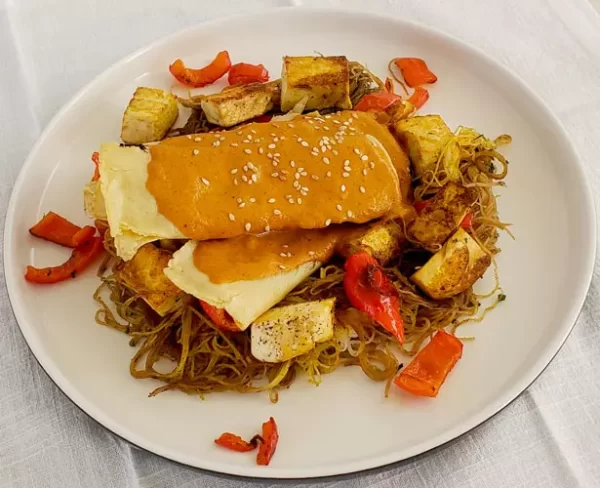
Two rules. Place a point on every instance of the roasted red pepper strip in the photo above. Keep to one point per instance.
(419, 206)
(268, 446)
(244, 73)
(219, 316)
(236, 443)
(201, 77)
(419, 97)
(377, 102)
(467, 221)
(80, 259)
(389, 85)
(96, 160)
(428, 370)
(59, 230)
(370, 290)
(415, 71)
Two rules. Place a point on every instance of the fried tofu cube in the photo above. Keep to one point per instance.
(454, 268)
(239, 104)
(442, 216)
(424, 138)
(144, 274)
(148, 117)
(325, 80)
(283, 333)
(383, 240)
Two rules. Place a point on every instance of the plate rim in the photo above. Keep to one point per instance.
(372, 463)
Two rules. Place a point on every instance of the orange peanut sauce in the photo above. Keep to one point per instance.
(251, 257)
(304, 174)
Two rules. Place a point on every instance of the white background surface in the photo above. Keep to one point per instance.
(549, 437)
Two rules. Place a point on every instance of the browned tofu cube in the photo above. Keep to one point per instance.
(383, 240)
(144, 274)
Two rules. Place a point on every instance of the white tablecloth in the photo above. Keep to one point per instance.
(549, 437)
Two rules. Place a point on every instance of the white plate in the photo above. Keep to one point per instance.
(345, 424)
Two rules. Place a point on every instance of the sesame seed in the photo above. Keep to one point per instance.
(244, 178)
(291, 126)
(349, 213)
(248, 226)
(300, 170)
(283, 178)
(275, 175)
(299, 139)
(297, 176)
(328, 174)
(196, 152)
(235, 181)
(252, 200)
(291, 200)
(271, 146)
(281, 266)
(364, 172)
(304, 173)
(245, 167)
(254, 178)
(231, 217)
(328, 116)
(222, 138)
(276, 139)
(304, 144)
(276, 155)
(234, 144)
(362, 189)
(261, 150)
(285, 246)
(347, 162)
(327, 222)
(346, 123)
(197, 139)
(253, 131)
(339, 207)
(310, 121)
(314, 177)
(277, 211)
(364, 157)
(336, 122)
(189, 137)
(284, 171)
(293, 164)
(311, 253)
(216, 143)
(283, 255)
(271, 200)
(239, 200)
(267, 228)
(325, 127)
(372, 165)
(355, 116)
(249, 136)
(343, 188)
(305, 188)
(269, 155)
(239, 132)
(345, 174)
(242, 205)
(323, 149)
(298, 201)
(274, 163)
(234, 171)
(353, 129)
(248, 151)
(289, 255)
(335, 153)
(356, 151)
(205, 181)
(326, 160)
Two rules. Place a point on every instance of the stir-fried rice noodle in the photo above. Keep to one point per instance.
(204, 358)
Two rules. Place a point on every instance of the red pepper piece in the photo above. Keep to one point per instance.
(415, 71)
(377, 102)
(81, 258)
(428, 370)
(268, 446)
(219, 316)
(236, 443)
(204, 76)
(419, 97)
(370, 290)
(419, 206)
(244, 73)
(467, 221)
(54, 228)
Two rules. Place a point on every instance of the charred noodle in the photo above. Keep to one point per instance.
(209, 359)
